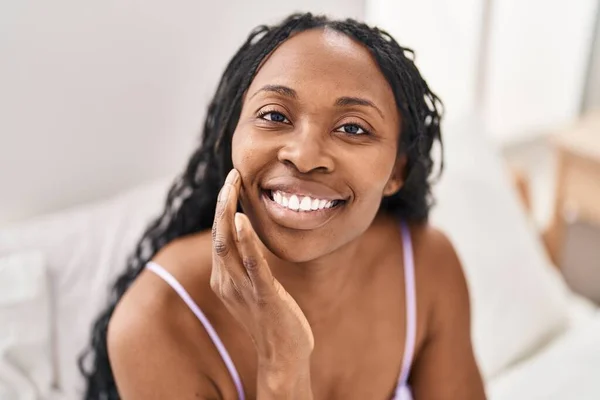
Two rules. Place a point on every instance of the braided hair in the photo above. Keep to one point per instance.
(191, 201)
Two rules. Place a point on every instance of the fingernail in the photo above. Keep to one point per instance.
(232, 176)
(238, 225)
(224, 193)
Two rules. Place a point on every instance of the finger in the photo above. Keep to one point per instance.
(222, 231)
(228, 196)
(224, 286)
(252, 257)
(216, 277)
(223, 239)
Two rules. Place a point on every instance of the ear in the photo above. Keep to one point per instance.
(396, 180)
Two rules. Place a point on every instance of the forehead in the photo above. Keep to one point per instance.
(327, 64)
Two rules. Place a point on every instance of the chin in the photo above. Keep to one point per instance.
(296, 246)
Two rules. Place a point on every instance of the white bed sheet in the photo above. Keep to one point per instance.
(569, 368)
(85, 248)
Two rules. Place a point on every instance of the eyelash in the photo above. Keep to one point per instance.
(264, 113)
(366, 131)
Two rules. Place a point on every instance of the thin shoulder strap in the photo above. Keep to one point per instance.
(179, 289)
(411, 303)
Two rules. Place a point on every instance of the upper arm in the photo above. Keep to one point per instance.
(445, 367)
(149, 360)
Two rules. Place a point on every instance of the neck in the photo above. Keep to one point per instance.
(322, 287)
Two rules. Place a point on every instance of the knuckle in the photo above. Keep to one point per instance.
(215, 232)
(221, 246)
(250, 263)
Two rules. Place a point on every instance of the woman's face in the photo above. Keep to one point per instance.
(316, 145)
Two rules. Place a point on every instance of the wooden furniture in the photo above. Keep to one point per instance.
(578, 181)
(523, 187)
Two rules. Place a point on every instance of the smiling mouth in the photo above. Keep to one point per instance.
(301, 203)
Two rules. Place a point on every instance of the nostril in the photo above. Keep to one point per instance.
(306, 162)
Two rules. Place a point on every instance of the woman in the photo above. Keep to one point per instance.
(321, 278)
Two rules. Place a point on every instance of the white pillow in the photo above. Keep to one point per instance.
(568, 369)
(25, 349)
(85, 248)
(519, 300)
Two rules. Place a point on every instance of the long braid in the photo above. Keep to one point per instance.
(191, 201)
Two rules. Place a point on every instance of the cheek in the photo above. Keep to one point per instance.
(250, 154)
(372, 174)
(252, 148)
(239, 149)
(246, 152)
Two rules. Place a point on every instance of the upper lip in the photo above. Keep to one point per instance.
(301, 187)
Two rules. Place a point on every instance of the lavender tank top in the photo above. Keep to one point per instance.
(402, 391)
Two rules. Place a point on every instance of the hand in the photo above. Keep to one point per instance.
(242, 279)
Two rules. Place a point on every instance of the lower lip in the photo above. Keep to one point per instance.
(302, 220)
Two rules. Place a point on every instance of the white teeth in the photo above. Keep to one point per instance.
(305, 204)
(302, 203)
(315, 204)
(294, 204)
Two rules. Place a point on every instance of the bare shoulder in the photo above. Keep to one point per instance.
(441, 280)
(431, 242)
(445, 366)
(157, 347)
(437, 260)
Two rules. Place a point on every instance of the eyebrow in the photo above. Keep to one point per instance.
(341, 102)
(279, 89)
(357, 101)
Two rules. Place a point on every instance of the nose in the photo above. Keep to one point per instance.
(307, 151)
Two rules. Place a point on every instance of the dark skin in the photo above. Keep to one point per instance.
(305, 309)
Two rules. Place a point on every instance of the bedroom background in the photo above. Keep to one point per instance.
(102, 102)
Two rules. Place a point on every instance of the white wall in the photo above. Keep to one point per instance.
(538, 56)
(97, 96)
(534, 63)
(445, 36)
(591, 98)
